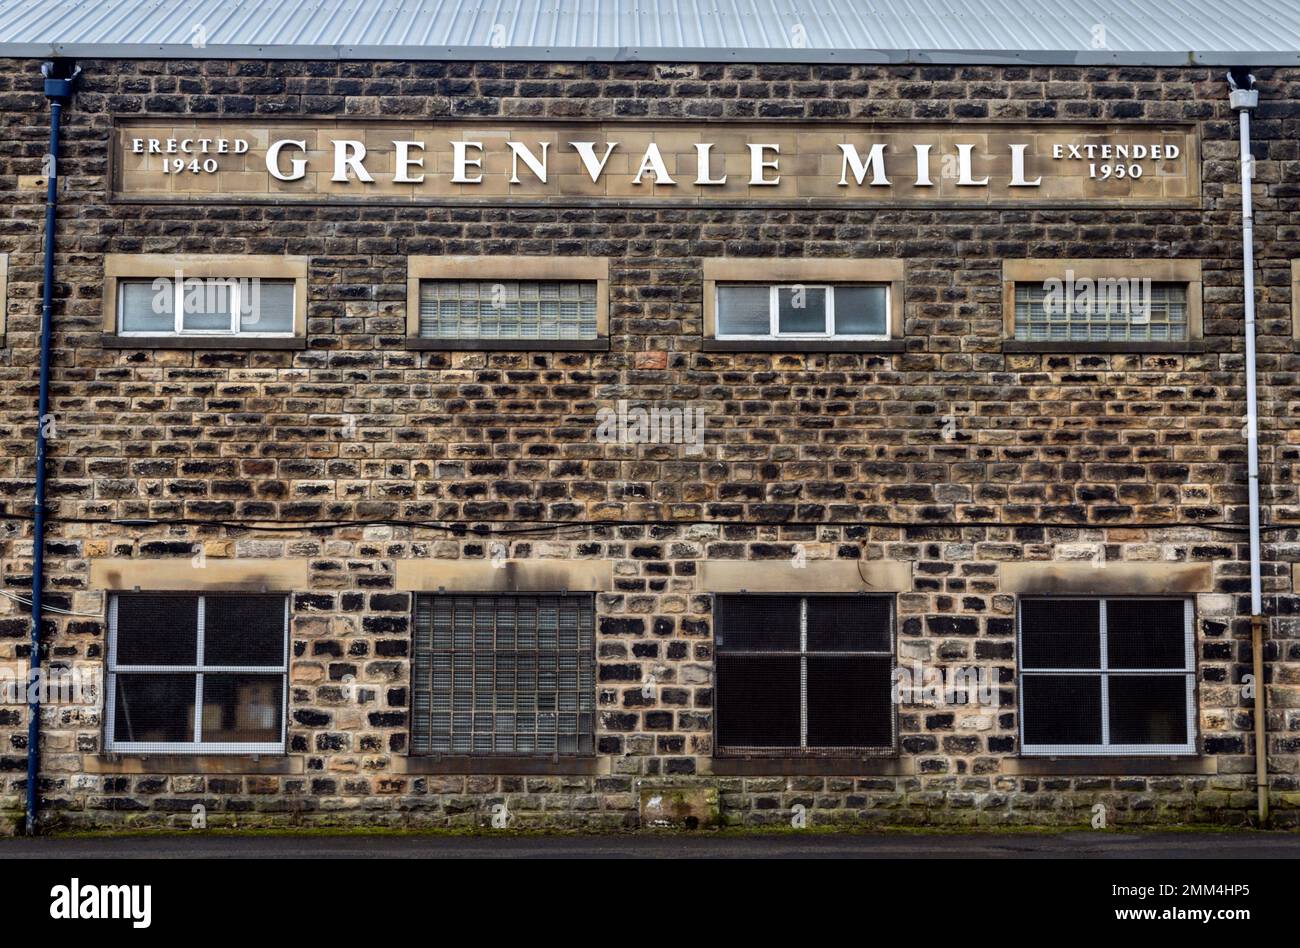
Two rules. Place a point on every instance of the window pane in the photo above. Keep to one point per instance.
(757, 623)
(1062, 709)
(1060, 633)
(243, 630)
(1148, 709)
(1146, 633)
(861, 311)
(207, 305)
(508, 309)
(849, 702)
(157, 630)
(1101, 310)
(510, 674)
(147, 305)
(801, 309)
(758, 700)
(848, 623)
(242, 709)
(266, 306)
(744, 311)
(153, 709)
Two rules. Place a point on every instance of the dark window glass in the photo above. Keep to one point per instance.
(758, 623)
(1145, 633)
(849, 701)
(1148, 709)
(157, 630)
(1060, 633)
(758, 702)
(153, 709)
(828, 689)
(242, 709)
(801, 309)
(1062, 709)
(243, 630)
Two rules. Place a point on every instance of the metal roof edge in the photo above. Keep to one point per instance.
(654, 54)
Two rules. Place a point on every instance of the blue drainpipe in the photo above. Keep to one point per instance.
(60, 79)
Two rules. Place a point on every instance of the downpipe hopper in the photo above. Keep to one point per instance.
(60, 79)
(1242, 94)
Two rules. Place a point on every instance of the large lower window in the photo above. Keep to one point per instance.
(504, 675)
(1101, 310)
(508, 309)
(191, 673)
(799, 311)
(1107, 676)
(803, 675)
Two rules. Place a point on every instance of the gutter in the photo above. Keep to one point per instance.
(60, 81)
(1244, 98)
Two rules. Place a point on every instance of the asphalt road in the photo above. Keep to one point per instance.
(1073, 845)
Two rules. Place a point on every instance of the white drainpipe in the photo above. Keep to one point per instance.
(1243, 101)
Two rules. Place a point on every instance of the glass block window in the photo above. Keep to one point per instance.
(1107, 676)
(508, 309)
(199, 306)
(1101, 311)
(191, 673)
(803, 675)
(500, 675)
(798, 311)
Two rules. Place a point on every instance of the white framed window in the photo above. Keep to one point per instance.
(206, 306)
(803, 675)
(802, 311)
(197, 673)
(1107, 677)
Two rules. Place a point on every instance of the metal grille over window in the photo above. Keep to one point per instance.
(1107, 676)
(193, 673)
(504, 675)
(1120, 310)
(510, 309)
(803, 675)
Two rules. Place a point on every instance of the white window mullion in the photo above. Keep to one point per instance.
(198, 679)
(235, 301)
(803, 671)
(828, 318)
(1105, 677)
(774, 310)
(179, 306)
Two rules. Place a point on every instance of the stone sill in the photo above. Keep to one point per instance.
(813, 766)
(1109, 766)
(510, 766)
(509, 345)
(1105, 348)
(803, 345)
(111, 341)
(275, 764)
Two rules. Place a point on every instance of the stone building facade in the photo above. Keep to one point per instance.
(364, 476)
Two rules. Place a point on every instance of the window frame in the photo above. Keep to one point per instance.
(494, 759)
(178, 312)
(1188, 672)
(803, 752)
(125, 268)
(775, 334)
(512, 269)
(198, 670)
(1158, 270)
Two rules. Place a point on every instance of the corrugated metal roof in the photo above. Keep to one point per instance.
(1154, 32)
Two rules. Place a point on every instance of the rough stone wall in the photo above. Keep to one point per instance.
(1065, 450)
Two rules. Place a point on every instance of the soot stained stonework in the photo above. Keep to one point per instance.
(951, 461)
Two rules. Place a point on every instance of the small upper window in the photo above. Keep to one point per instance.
(1101, 310)
(508, 309)
(802, 311)
(208, 306)
(1107, 676)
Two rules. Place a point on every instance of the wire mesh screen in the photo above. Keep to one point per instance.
(508, 309)
(803, 675)
(504, 675)
(1110, 311)
(196, 672)
(1106, 676)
